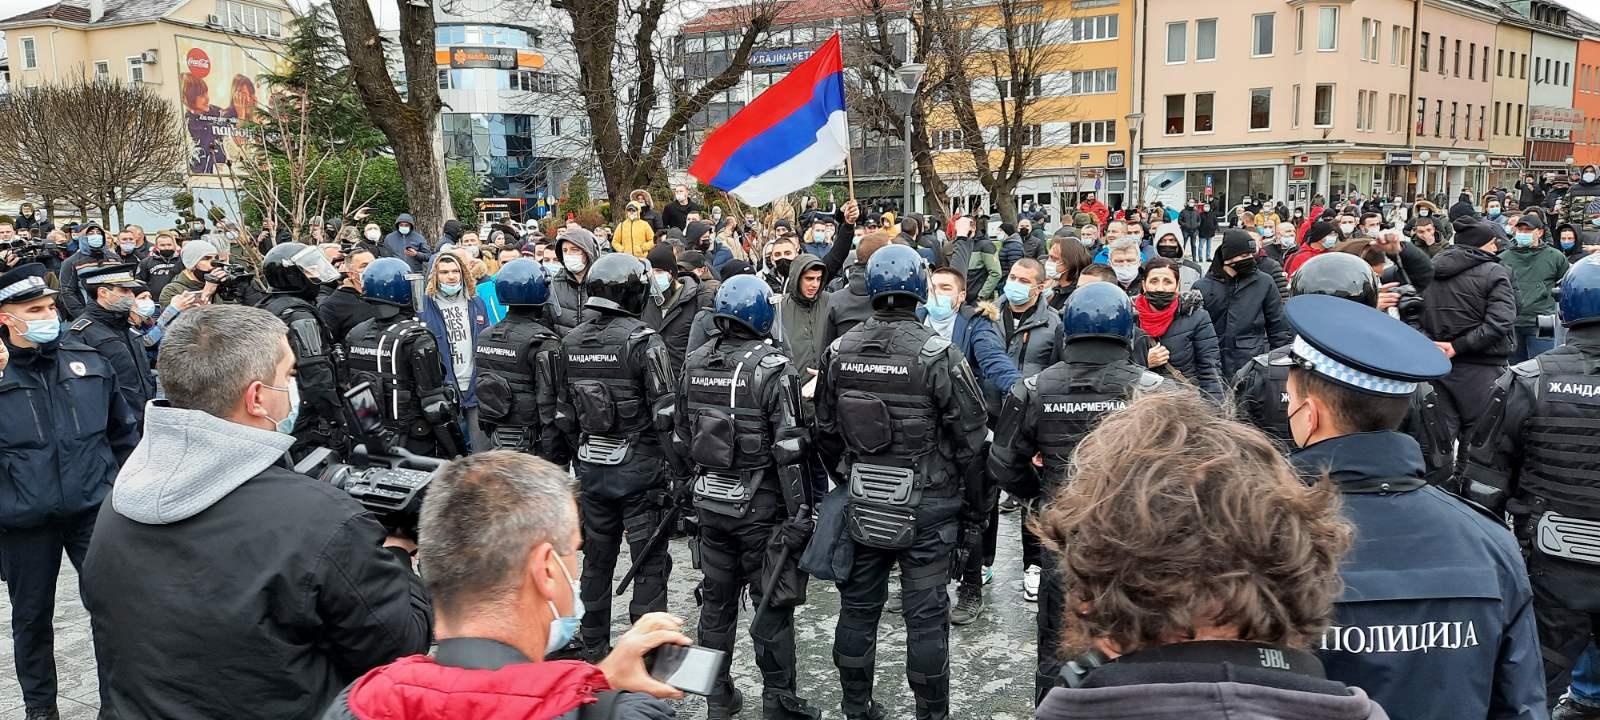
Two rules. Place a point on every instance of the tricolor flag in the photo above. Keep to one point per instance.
(784, 139)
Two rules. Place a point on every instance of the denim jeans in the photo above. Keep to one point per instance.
(1530, 345)
(1586, 677)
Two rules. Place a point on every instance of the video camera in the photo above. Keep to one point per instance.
(26, 250)
(388, 481)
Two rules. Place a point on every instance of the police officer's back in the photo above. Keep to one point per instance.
(899, 410)
(515, 363)
(103, 325)
(1537, 456)
(1436, 617)
(1261, 391)
(294, 274)
(1048, 413)
(400, 358)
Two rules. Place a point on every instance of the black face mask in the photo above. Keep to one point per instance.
(782, 266)
(1171, 252)
(1244, 267)
(1160, 300)
(166, 254)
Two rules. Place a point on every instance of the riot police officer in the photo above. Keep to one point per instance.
(294, 274)
(614, 394)
(900, 412)
(1435, 620)
(1534, 456)
(1047, 414)
(738, 424)
(1261, 390)
(103, 325)
(515, 363)
(400, 358)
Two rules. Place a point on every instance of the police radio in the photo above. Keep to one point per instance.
(388, 481)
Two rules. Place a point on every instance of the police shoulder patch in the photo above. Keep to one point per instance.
(1149, 380)
(774, 359)
(81, 324)
(1032, 382)
(1280, 361)
(642, 331)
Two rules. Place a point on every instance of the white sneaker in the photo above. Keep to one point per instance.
(1030, 584)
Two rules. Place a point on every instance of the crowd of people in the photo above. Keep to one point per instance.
(1333, 461)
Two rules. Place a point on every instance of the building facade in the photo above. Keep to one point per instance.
(1586, 91)
(1552, 121)
(1509, 94)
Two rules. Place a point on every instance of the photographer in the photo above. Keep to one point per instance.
(221, 583)
(1198, 569)
(500, 540)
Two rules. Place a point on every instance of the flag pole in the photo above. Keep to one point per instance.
(850, 174)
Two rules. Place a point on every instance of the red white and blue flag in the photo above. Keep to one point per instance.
(784, 139)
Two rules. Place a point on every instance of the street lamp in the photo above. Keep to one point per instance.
(1422, 175)
(910, 75)
(1133, 119)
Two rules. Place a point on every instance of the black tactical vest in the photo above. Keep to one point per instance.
(607, 391)
(1561, 440)
(381, 354)
(881, 380)
(1071, 401)
(726, 382)
(1274, 420)
(508, 376)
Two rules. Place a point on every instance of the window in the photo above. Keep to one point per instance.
(1480, 122)
(1455, 108)
(1369, 39)
(1327, 28)
(948, 139)
(1177, 37)
(1361, 110)
(1394, 45)
(1094, 132)
(245, 18)
(1260, 108)
(1472, 58)
(542, 82)
(555, 126)
(1438, 116)
(1205, 39)
(1566, 74)
(1032, 135)
(135, 69)
(1424, 54)
(102, 70)
(444, 78)
(1261, 35)
(1175, 114)
(1497, 118)
(30, 55)
(1524, 67)
(1092, 82)
(1322, 106)
(1422, 115)
(1458, 59)
(1294, 107)
(1483, 76)
(1499, 63)
(1009, 88)
(1299, 29)
(1519, 119)
(1204, 104)
(1094, 27)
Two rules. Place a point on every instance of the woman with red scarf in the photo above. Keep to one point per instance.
(1181, 336)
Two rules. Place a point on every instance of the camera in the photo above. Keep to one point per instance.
(1410, 305)
(389, 482)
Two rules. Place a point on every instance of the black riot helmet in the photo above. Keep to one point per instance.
(297, 269)
(1338, 274)
(618, 283)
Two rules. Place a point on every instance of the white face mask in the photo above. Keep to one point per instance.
(1125, 273)
(1052, 270)
(1347, 228)
(574, 263)
(371, 234)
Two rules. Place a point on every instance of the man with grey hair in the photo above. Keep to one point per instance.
(499, 538)
(220, 582)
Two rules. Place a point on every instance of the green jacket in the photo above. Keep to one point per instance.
(990, 261)
(1536, 271)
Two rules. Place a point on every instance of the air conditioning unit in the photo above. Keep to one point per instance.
(148, 57)
(213, 21)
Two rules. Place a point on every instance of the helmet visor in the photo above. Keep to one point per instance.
(316, 265)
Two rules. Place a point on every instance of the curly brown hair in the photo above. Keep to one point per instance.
(1178, 518)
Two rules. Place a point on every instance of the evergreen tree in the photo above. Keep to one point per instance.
(316, 72)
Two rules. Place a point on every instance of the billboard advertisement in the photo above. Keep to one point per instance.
(219, 86)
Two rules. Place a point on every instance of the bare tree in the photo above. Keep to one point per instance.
(96, 144)
(407, 122)
(286, 177)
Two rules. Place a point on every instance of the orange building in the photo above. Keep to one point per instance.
(1586, 91)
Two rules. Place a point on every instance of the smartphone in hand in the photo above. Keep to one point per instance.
(690, 668)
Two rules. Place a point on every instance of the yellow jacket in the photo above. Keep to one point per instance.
(634, 237)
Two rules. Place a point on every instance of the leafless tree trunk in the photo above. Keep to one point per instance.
(407, 122)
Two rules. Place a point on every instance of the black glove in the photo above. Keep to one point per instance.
(796, 533)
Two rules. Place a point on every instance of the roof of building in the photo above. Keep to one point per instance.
(77, 11)
(790, 12)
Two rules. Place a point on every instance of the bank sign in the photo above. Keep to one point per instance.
(500, 58)
(779, 56)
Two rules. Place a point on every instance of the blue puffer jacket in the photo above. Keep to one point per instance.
(978, 336)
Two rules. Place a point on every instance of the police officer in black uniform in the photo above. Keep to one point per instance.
(1537, 456)
(400, 358)
(103, 325)
(1436, 619)
(900, 413)
(1261, 390)
(516, 365)
(294, 274)
(1047, 414)
(737, 423)
(615, 395)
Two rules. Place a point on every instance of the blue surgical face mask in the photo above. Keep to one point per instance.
(1264, 230)
(940, 307)
(1524, 239)
(562, 629)
(145, 307)
(95, 241)
(551, 268)
(404, 229)
(663, 281)
(286, 425)
(41, 332)
(1330, 241)
(1568, 243)
(1017, 292)
(1494, 212)
(450, 288)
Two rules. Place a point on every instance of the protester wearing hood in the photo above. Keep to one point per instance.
(453, 232)
(92, 250)
(1470, 312)
(1246, 311)
(647, 210)
(213, 551)
(1424, 209)
(1576, 244)
(1169, 244)
(1462, 208)
(407, 243)
(634, 235)
(1581, 194)
(674, 301)
(576, 250)
(803, 313)
(456, 315)
(1321, 237)
(1536, 266)
(1531, 192)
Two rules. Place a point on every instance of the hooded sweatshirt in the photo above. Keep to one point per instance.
(567, 292)
(633, 236)
(395, 244)
(802, 323)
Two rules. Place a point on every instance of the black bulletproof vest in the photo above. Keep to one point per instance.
(1274, 420)
(607, 391)
(504, 362)
(381, 354)
(881, 381)
(726, 382)
(1561, 440)
(1072, 399)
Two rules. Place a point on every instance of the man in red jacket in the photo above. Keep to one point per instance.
(499, 538)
